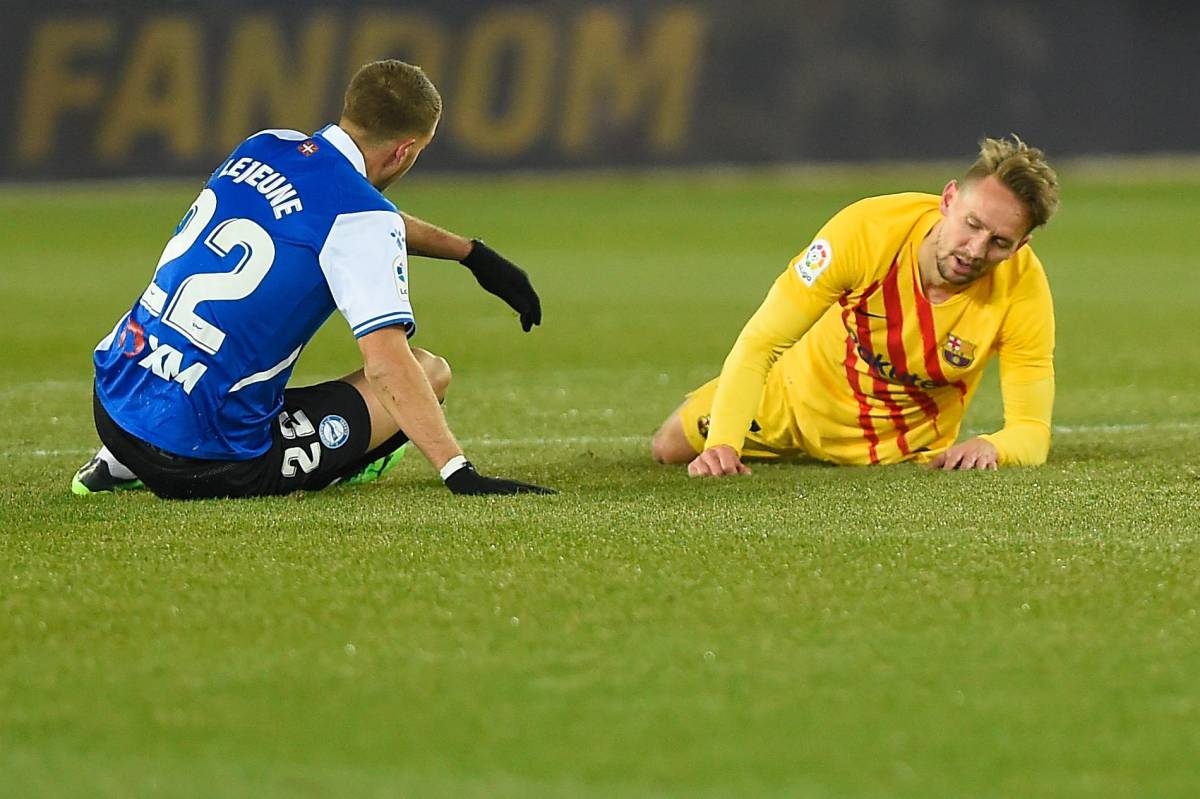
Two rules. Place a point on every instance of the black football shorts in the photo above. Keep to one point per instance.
(321, 435)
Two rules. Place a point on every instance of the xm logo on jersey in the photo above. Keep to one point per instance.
(958, 352)
(167, 362)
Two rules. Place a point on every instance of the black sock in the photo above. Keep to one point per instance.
(386, 448)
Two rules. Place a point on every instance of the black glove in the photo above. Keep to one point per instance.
(506, 280)
(465, 480)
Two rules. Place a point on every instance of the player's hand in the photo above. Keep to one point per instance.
(506, 280)
(717, 462)
(974, 453)
(465, 480)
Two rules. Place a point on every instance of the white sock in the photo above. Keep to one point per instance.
(115, 467)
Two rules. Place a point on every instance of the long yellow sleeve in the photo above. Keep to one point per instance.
(812, 282)
(1026, 349)
(777, 324)
(1025, 438)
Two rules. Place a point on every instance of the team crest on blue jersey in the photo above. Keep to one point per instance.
(136, 335)
(334, 431)
(958, 352)
(308, 148)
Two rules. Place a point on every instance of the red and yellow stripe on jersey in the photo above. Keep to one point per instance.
(875, 373)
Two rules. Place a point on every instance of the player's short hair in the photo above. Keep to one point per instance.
(391, 99)
(1023, 170)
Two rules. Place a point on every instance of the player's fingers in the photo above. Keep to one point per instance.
(937, 461)
(951, 461)
(728, 462)
(733, 464)
(985, 459)
(737, 467)
(701, 466)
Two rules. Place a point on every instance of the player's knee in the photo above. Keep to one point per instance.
(437, 370)
(670, 445)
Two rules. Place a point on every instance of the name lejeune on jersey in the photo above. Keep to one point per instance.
(273, 185)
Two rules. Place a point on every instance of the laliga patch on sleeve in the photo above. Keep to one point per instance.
(400, 267)
(816, 259)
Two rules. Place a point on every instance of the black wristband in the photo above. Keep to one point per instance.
(478, 248)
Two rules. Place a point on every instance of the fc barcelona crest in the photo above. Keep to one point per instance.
(958, 352)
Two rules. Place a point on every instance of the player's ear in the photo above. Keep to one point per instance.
(401, 151)
(948, 195)
(1023, 241)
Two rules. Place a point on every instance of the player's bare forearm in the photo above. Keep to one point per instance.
(397, 380)
(432, 241)
(974, 453)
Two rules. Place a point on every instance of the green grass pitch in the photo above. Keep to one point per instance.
(808, 631)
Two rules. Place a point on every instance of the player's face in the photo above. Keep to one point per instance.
(983, 224)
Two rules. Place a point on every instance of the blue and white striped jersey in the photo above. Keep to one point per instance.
(285, 230)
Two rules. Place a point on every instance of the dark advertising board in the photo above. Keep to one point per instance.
(166, 88)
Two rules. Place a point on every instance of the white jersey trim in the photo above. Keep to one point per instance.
(345, 145)
(386, 321)
(267, 374)
(283, 133)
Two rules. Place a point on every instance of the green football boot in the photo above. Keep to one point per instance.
(376, 469)
(95, 478)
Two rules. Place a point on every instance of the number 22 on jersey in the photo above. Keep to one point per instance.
(179, 311)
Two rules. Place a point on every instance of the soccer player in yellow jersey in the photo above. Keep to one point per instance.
(871, 344)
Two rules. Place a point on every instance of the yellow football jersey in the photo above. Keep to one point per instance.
(874, 372)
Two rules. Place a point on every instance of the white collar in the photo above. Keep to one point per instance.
(345, 145)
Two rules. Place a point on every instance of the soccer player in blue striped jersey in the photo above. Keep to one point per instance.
(190, 396)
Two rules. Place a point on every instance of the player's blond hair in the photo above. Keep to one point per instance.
(1023, 170)
(391, 99)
